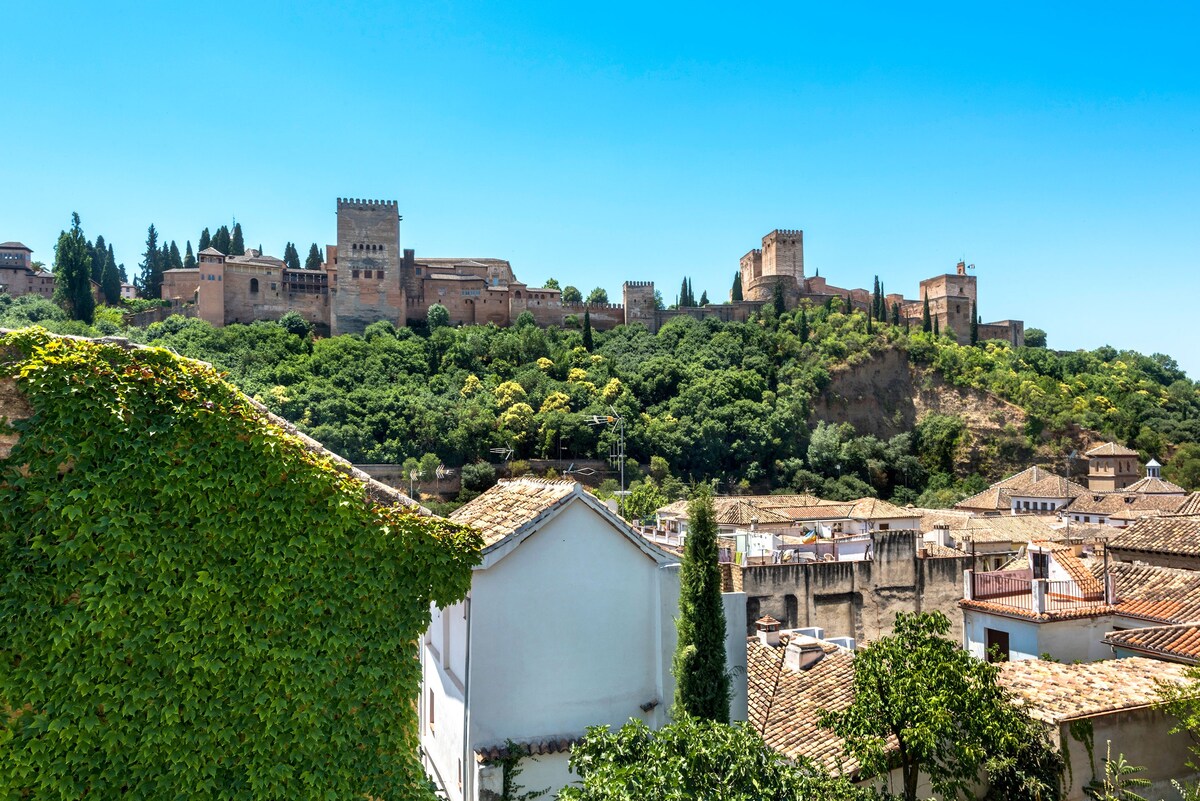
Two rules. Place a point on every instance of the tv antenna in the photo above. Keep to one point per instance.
(578, 471)
(506, 455)
(618, 422)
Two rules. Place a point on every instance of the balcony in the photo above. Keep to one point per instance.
(1018, 590)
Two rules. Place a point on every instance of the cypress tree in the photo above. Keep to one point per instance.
(935, 327)
(205, 240)
(802, 328)
(73, 273)
(237, 244)
(189, 258)
(704, 298)
(291, 258)
(220, 240)
(315, 259)
(110, 281)
(99, 253)
(176, 259)
(926, 325)
(896, 314)
(874, 311)
(702, 686)
(164, 261)
(683, 294)
(974, 325)
(882, 304)
(735, 294)
(870, 316)
(588, 344)
(150, 280)
(779, 301)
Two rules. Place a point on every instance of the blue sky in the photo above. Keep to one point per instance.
(1056, 148)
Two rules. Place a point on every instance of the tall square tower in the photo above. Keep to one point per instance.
(369, 286)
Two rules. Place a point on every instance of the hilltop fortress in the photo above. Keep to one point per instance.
(368, 277)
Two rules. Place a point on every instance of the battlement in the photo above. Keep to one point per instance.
(784, 232)
(632, 284)
(359, 203)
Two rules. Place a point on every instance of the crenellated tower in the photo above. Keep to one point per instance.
(367, 285)
(779, 261)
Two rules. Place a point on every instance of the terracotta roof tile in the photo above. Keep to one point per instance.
(1190, 505)
(935, 551)
(1111, 449)
(1179, 643)
(511, 505)
(1053, 692)
(1029, 483)
(1152, 485)
(1109, 503)
(1177, 535)
(539, 747)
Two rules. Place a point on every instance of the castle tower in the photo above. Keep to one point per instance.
(370, 286)
(951, 298)
(638, 299)
(211, 295)
(780, 261)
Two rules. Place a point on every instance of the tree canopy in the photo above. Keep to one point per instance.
(73, 273)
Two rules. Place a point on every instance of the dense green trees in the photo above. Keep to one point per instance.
(598, 295)
(694, 759)
(702, 684)
(150, 281)
(571, 294)
(291, 257)
(73, 273)
(314, 259)
(735, 294)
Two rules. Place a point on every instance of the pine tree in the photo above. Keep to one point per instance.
(237, 245)
(291, 258)
(176, 260)
(588, 344)
(189, 258)
(150, 281)
(735, 294)
(73, 273)
(896, 314)
(205, 241)
(802, 328)
(704, 298)
(110, 281)
(926, 324)
(702, 685)
(315, 259)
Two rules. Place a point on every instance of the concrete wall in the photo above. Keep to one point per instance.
(1072, 640)
(1143, 736)
(856, 599)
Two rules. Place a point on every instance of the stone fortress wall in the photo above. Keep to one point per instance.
(367, 277)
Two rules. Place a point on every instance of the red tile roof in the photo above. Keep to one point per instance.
(1054, 693)
(1174, 643)
(548, 745)
(1111, 449)
(1173, 535)
(511, 505)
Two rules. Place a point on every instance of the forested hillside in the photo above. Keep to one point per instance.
(725, 401)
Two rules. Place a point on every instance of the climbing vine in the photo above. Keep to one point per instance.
(194, 603)
(1082, 732)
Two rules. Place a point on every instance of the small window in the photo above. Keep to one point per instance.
(431, 711)
(354, 273)
(1040, 563)
(366, 273)
(253, 285)
(273, 286)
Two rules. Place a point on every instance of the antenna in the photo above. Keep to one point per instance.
(506, 455)
(618, 422)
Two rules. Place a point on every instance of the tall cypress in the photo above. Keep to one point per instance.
(870, 316)
(237, 244)
(291, 257)
(189, 258)
(588, 344)
(110, 281)
(220, 240)
(935, 327)
(702, 685)
(779, 300)
(314, 260)
(926, 325)
(205, 240)
(882, 313)
(704, 298)
(974, 325)
(73, 273)
(683, 294)
(99, 253)
(802, 327)
(896, 314)
(874, 311)
(735, 294)
(176, 260)
(150, 280)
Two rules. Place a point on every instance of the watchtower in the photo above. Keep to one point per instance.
(211, 295)
(783, 253)
(369, 284)
(638, 299)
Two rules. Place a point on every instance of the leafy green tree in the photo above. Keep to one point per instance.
(644, 499)
(571, 295)
(437, 316)
(525, 320)
(802, 326)
(598, 295)
(189, 258)
(73, 273)
(552, 283)
(150, 280)
(237, 245)
(291, 257)
(295, 324)
(314, 259)
(735, 294)
(1184, 467)
(478, 476)
(694, 759)
(942, 707)
(702, 683)
(110, 280)
(588, 343)
(1035, 338)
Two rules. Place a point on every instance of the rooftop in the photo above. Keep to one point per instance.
(1153, 485)
(512, 504)
(1179, 643)
(1055, 693)
(1033, 482)
(15, 246)
(1111, 449)
(1111, 503)
(1172, 535)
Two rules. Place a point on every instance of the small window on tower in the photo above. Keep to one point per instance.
(354, 273)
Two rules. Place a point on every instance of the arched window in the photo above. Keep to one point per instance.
(253, 285)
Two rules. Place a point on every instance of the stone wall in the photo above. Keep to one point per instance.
(367, 285)
(855, 599)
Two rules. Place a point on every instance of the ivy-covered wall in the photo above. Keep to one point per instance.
(194, 601)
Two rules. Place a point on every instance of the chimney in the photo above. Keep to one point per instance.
(768, 631)
(754, 524)
(802, 653)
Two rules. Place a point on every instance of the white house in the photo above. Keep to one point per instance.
(570, 623)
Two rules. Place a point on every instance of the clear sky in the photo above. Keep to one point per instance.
(1055, 146)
